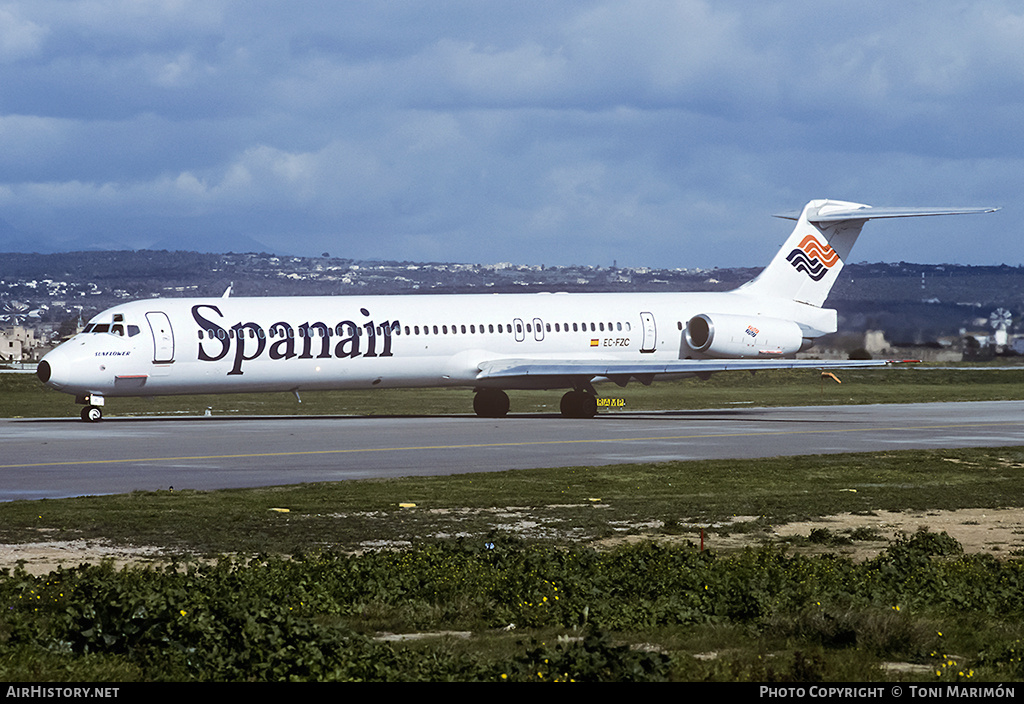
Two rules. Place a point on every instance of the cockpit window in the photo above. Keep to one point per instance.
(118, 327)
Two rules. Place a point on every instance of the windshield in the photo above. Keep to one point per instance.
(113, 325)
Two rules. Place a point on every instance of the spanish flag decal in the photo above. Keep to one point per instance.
(594, 343)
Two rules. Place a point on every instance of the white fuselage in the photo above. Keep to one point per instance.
(222, 345)
(487, 342)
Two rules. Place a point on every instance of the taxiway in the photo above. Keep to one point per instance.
(52, 458)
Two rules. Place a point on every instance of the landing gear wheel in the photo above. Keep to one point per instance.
(491, 403)
(578, 404)
(92, 414)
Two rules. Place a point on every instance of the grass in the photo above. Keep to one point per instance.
(21, 395)
(320, 571)
(554, 506)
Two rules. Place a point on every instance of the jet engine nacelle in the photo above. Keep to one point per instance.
(723, 335)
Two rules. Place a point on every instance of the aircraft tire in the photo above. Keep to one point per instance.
(92, 414)
(491, 403)
(578, 404)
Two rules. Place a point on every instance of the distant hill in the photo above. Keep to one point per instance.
(911, 302)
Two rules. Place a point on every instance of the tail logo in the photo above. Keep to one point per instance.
(813, 258)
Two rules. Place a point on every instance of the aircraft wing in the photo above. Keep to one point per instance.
(645, 371)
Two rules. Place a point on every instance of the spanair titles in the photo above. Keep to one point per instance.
(282, 340)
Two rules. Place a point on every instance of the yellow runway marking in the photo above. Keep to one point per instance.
(529, 443)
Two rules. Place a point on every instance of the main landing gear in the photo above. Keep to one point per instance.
(493, 403)
(490, 403)
(578, 404)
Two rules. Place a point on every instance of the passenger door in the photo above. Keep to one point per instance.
(163, 337)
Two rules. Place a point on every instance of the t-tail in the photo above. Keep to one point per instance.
(807, 266)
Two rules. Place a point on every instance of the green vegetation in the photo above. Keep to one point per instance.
(581, 573)
(21, 395)
(530, 613)
(519, 576)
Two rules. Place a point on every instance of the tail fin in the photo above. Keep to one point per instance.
(809, 262)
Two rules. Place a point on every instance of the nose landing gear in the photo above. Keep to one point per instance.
(93, 411)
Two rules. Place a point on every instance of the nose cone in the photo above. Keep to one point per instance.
(53, 369)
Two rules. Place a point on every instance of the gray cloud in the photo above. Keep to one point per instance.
(652, 132)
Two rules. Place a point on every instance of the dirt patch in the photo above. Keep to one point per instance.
(999, 532)
(44, 557)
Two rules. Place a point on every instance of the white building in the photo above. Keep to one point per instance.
(18, 344)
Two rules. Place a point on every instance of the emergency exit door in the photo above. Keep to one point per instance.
(650, 341)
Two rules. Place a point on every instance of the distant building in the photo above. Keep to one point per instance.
(874, 344)
(18, 344)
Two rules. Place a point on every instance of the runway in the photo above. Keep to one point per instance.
(53, 458)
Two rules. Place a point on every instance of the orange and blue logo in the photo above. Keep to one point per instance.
(813, 258)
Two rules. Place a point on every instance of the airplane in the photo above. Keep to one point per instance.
(491, 343)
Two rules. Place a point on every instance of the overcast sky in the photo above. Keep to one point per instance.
(651, 133)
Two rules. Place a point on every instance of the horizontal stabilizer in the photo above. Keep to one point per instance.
(827, 214)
